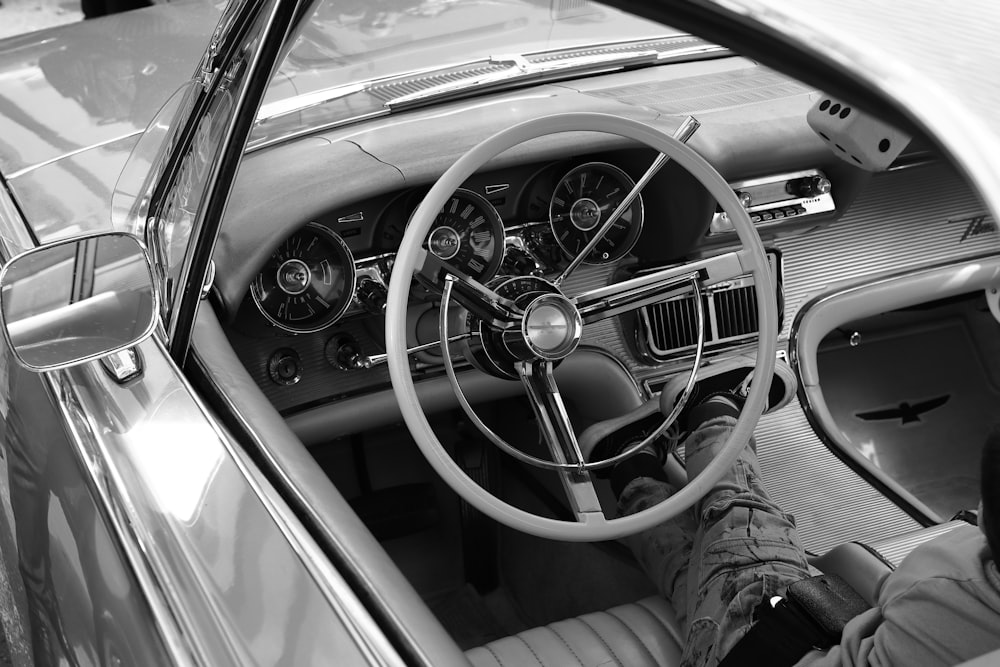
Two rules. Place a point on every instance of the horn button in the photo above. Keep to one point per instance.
(551, 328)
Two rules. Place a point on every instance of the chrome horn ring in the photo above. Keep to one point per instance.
(580, 465)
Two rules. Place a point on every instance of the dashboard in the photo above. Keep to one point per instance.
(320, 296)
(310, 328)
(310, 238)
(339, 266)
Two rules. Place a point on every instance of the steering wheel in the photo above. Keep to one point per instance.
(524, 329)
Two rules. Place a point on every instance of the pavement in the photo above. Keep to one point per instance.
(20, 16)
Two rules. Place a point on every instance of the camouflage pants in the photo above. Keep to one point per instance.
(718, 560)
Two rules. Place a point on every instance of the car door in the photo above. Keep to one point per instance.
(136, 531)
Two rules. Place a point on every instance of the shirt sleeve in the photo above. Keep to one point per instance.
(855, 645)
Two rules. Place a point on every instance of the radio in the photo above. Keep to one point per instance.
(780, 198)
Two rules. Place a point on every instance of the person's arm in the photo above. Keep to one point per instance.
(854, 647)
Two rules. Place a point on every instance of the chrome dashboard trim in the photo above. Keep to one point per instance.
(653, 356)
(815, 204)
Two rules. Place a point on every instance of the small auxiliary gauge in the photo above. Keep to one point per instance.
(308, 282)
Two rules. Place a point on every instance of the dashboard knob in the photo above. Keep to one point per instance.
(284, 367)
(344, 353)
(521, 262)
(821, 185)
(810, 186)
(372, 296)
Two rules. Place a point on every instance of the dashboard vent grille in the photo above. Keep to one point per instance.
(673, 324)
(736, 312)
(670, 327)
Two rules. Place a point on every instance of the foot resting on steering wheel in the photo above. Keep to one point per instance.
(729, 378)
(723, 385)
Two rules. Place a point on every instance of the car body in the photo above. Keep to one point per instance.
(249, 495)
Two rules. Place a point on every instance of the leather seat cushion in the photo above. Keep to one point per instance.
(631, 635)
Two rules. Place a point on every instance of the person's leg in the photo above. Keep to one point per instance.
(663, 551)
(745, 550)
(639, 482)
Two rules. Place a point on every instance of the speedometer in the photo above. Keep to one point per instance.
(468, 234)
(308, 282)
(582, 202)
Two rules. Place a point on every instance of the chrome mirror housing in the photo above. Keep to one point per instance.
(78, 300)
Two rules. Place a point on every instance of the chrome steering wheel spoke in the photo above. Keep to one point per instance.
(683, 134)
(605, 302)
(546, 401)
(478, 299)
(557, 431)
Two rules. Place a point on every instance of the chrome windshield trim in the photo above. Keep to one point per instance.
(272, 110)
(519, 66)
(256, 145)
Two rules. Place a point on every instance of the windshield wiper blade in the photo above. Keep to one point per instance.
(519, 70)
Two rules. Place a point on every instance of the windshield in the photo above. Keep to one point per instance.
(352, 60)
(347, 44)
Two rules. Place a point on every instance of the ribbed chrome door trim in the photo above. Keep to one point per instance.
(895, 549)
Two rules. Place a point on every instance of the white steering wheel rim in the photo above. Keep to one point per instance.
(752, 256)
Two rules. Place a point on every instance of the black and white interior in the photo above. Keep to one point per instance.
(857, 457)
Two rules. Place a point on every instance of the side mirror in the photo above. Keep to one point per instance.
(75, 301)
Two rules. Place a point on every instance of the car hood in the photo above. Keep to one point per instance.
(97, 82)
(78, 97)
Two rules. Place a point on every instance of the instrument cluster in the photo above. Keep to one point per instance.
(313, 280)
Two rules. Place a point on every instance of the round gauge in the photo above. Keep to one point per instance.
(308, 282)
(583, 200)
(468, 234)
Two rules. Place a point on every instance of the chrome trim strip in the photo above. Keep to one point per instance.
(349, 609)
(921, 159)
(895, 549)
(256, 144)
(282, 108)
(106, 484)
(25, 170)
(272, 110)
(170, 536)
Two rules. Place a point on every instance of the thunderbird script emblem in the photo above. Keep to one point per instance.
(976, 225)
(906, 412)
